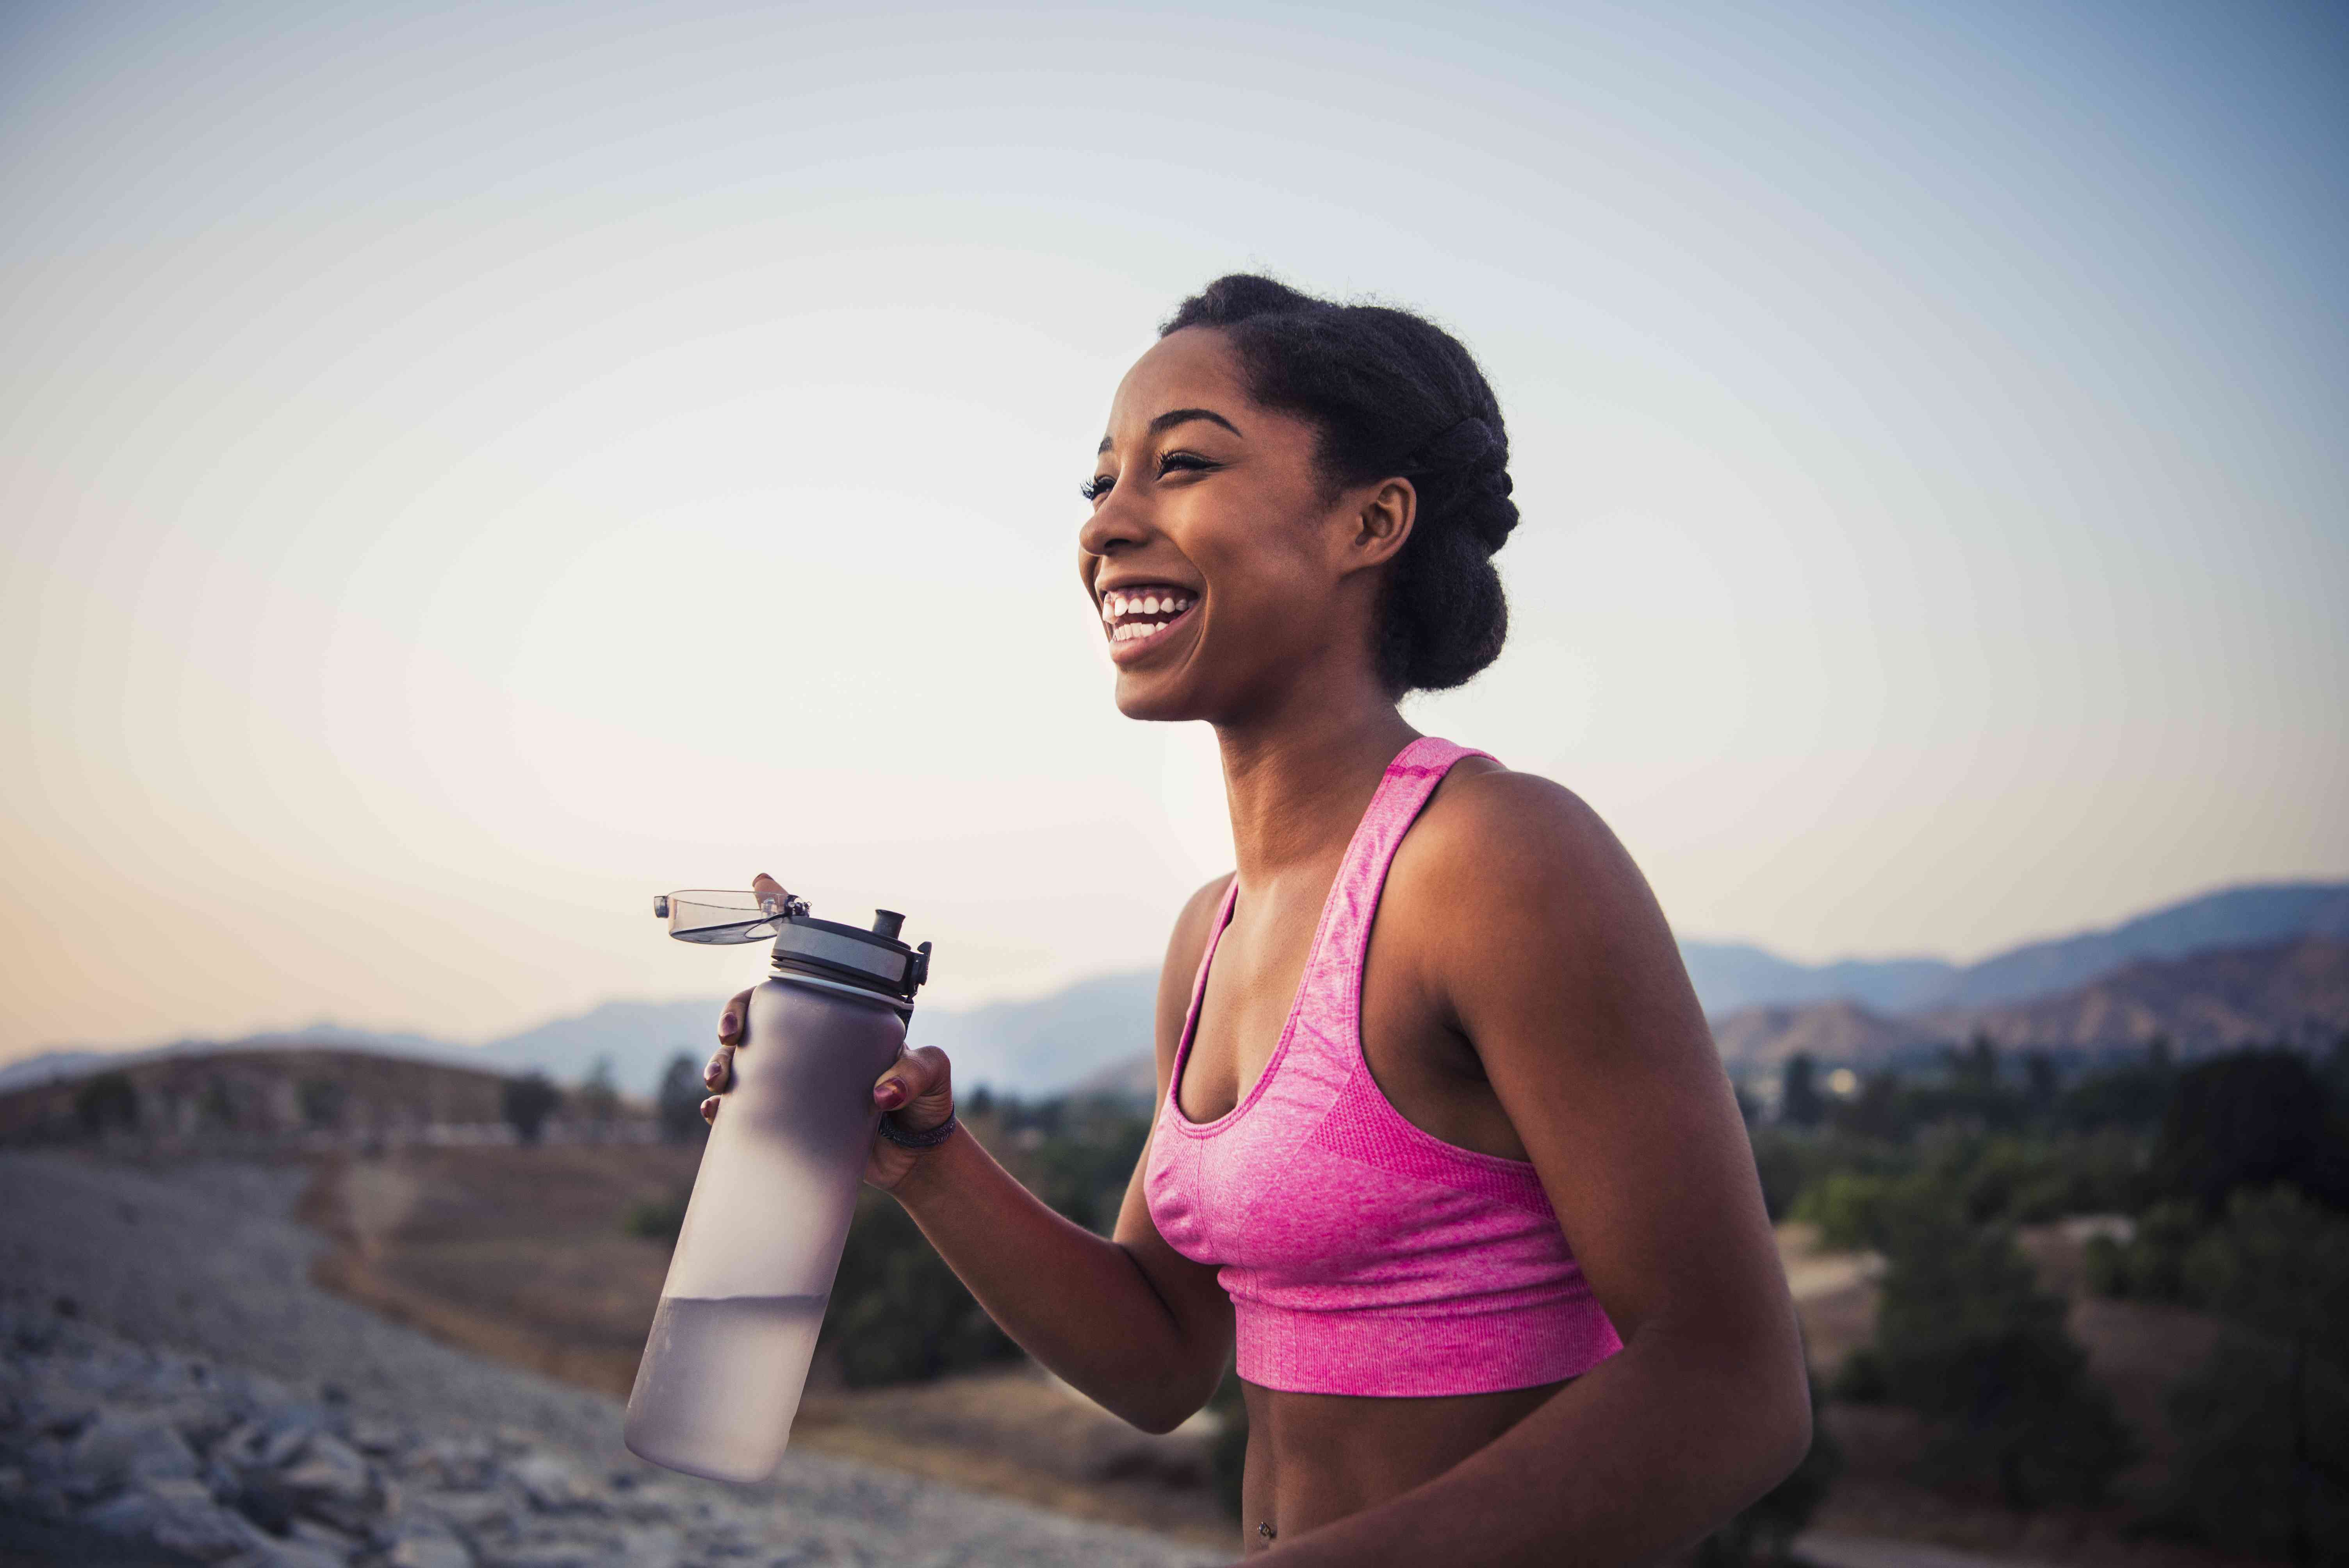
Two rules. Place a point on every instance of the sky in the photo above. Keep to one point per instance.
(470, 468)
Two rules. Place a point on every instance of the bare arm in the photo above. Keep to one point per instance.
(1137, 1326)
(1537, 934)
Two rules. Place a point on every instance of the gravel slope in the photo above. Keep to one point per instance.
(205, 1260)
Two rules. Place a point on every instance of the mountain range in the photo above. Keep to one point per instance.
(2242, 962)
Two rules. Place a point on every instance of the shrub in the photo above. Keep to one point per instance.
(680, 1099)
(528, 1101)
(106, 1103)
(898, 1313)
(1965, 1336)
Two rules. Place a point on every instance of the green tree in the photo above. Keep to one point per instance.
(1965, 1336)
(898, 1313)
(2263, 1426)
(106, 1103)
(599, 1102)
(679, 1101)
(529, 1100)
(322, 1101)
(2250, 1119)
(1799, 1103)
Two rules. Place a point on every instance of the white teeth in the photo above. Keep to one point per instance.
(1150, 606)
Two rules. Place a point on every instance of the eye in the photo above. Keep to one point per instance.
(1096, 487)
(1169, 462)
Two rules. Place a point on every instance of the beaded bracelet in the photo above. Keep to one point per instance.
(926, 1140)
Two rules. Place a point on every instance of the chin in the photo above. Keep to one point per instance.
(1156, 701)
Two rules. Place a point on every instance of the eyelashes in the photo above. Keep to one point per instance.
(1101, 485)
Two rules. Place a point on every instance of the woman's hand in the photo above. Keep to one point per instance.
(917, 1090)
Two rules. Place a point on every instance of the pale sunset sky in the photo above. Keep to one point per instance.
(470, 468)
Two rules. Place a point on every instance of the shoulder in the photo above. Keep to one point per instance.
(1511, 885)
(1184, 948)
(1493, 833)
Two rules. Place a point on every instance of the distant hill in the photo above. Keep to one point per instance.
(1036, 1046)
(269, 1092)
(2296, 991)
(1731, 975)
(2203, 1002)
(1832, 1031)
(1050, 1044)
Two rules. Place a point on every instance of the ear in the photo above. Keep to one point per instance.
(1382, 515)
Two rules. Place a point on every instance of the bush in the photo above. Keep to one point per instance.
(2252, 1118)
(2264, 1452)
(2151, 1264)
(322, 1101)
(1854, 1211)
(679, 1099)
(1965, 1337)
(898, 1313)
(657, 1219)
(529, 1100)
(2263, 1425)
(106, 1103)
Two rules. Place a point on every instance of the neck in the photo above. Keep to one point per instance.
(1299, 776)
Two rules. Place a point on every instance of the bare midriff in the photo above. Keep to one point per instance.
(1313, 1459)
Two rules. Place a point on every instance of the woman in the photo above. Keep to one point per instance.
(1442, 1145)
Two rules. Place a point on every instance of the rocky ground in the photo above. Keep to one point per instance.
(174, 1390)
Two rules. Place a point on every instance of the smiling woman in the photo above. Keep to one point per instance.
(1443, 1151)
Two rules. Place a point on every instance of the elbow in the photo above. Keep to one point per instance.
(1790, 1441)
(1156, 1419)
(1781, 1436)
(1161, 1405)
(1159, 1410)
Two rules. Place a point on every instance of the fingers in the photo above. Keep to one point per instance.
(731, 1023)
(773, 894)
(709, 1110)
(920, 1073)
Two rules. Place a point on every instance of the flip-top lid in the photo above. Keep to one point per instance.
(872, 960)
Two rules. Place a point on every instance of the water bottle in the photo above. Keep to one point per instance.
(722, 1375)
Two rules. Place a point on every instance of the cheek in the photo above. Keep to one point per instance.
(1252, 549)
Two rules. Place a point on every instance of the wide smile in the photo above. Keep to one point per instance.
(1141, 617)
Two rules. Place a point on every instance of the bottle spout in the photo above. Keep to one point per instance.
(888, 923)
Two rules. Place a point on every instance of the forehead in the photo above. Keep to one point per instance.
(1193, 369)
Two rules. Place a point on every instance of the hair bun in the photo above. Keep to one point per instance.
(1458, 447)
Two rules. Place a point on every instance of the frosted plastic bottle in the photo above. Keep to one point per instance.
(719, 1383)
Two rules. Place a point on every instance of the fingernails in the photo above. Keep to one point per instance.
(889, 1094)
(714, 1074)
(709, 1107)
(726, 1025)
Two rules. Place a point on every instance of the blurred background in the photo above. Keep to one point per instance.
(471, 468)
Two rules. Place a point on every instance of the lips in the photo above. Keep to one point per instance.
(1139, 615)
(1141, 609)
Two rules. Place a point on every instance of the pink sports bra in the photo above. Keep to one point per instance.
(1363, 1255)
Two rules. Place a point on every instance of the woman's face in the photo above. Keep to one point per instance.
(1222, 567)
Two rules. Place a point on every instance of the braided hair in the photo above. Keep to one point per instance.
(1391, 395)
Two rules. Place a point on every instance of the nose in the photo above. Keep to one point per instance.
(1114, 523)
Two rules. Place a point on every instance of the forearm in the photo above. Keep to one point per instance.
(1080, 1303)
(1641, 1457)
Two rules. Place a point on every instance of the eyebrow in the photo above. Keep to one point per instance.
(1174, 417)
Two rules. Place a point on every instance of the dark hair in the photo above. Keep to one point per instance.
(1391, 393)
